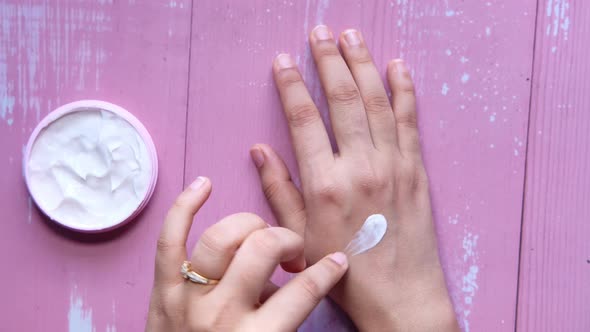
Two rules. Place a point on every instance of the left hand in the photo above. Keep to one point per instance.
(243, 252)
(377, 169)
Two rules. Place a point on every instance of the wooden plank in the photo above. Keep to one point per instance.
(135, 54)
(555, 255)
(472, 64)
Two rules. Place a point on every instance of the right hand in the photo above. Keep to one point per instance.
(243, 252)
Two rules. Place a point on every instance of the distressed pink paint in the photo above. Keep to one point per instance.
(554, 293)
(199, 72)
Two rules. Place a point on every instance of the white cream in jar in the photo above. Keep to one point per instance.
(90, 169)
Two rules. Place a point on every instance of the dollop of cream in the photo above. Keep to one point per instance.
(368, 236)
(89, 168)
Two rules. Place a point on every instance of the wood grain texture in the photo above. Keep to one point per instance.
(132, 53)
(554, 292)
(472, 65)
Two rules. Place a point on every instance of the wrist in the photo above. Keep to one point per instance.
(395, 305)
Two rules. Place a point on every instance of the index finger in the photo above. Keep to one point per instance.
(300, 296)
(171, 249)
(308, 133)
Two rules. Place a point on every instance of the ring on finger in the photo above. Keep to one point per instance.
(188, 274)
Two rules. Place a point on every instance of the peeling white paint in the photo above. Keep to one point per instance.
(45, 47)
(465, 78)
(558, 11)
(79, 317)
(469, 285)
(445, 89)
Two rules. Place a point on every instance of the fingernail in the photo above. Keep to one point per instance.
(284, 61)
(339, 258)
(198, 183)
(321, 32)
(268, 225)
(399, 67)
(352, 37)
(257, 156)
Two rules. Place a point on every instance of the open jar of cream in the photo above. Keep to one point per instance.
(90, 166)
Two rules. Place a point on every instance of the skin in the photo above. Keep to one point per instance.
(398, 285)
(243, 250)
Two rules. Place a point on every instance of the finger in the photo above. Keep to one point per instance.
(310, 139)
(171, 249)
(216, 247)
(404, 108)
(283, 197)
(257, 259)
(347, 113)
(268, 291)
(367, 78)
(300, 296)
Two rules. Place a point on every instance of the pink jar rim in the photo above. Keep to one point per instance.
(80, 106)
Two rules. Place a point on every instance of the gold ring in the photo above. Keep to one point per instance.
(189, 274)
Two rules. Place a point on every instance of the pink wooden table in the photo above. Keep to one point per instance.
(503, 97)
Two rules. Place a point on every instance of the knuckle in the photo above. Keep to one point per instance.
(272, 190)
(164, 246)
(407, 119)
(363, 57)
(310, 288)
(405, 86)
(412, 178)
(265, 241)
(343, 93)
(287, 78)
(377, 103)
(371, 183)
(215, 242)
(302, 115)
(166, 307)
(326, 50)
(327, 192)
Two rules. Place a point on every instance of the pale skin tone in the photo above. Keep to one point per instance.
(242, 251)
(396, 286)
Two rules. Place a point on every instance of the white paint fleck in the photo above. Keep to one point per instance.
(445, 89)
(465, 78)
(464, 60)
(449, 13)
(558, 12)
(488, 31)
(515, 152)
(448, 52)
(493, 117)
(79, 318)
(469, 285)
(492, 146)
(453, 220)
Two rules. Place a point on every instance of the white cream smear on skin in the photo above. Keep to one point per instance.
(89, 168)
(368, 236)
